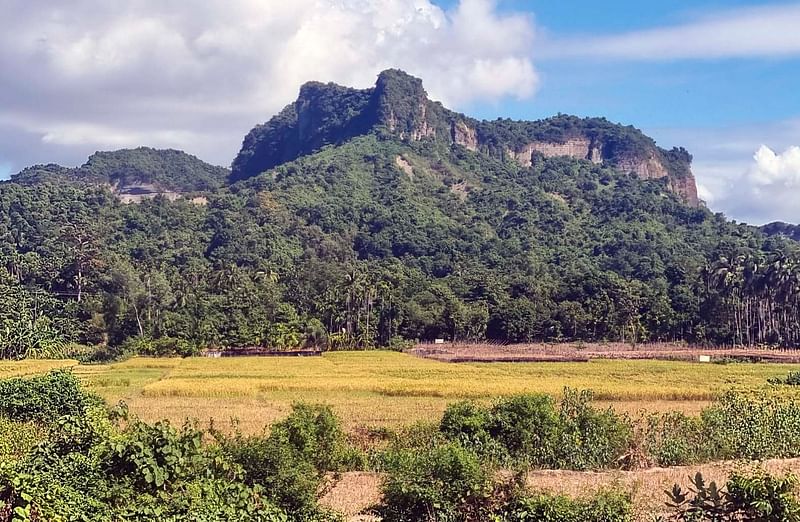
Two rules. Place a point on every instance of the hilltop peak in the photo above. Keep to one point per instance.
(398, 106)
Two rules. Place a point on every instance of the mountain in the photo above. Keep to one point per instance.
(136, 174)
(360, 218)
(329, 114)
(782, 229)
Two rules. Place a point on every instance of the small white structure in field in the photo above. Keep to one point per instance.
(438, 341)
(705, 358)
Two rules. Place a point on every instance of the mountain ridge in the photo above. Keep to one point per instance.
(398, 106)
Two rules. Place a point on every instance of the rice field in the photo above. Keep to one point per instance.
(387, 388)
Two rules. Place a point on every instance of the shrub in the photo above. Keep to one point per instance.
(605, 506)
(45, 398)
(529, 430)
(446, 483)
(208, 500)
(674, 439)
(468, 423)
(17, 438)
(739, 425)
(792, 379)
(155, 456)
(527, 426)
(589, 438)
(291, 462)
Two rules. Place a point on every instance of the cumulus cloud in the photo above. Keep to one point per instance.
(768, 31)
(91, 74)
(731, 177)
(769, 189)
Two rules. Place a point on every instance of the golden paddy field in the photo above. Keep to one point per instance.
(388, 388)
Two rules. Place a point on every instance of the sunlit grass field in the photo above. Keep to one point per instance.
(388, 388)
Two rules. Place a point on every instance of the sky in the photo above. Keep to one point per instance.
(718, 77)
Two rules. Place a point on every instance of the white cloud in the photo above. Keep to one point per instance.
(754, 188)
(769, 190)
(768, 31)
(198, 75)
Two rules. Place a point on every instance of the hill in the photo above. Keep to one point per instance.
(358, 218)
(782, 229)
(135, 174)
(329, 114)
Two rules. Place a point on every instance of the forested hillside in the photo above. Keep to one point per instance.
(782, 229)
(341, 232)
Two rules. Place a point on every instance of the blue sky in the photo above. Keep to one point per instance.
(718, 77)
(701, 92)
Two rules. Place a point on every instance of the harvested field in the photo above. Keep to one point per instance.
(390, 389)
(353, 494)
(582, 352)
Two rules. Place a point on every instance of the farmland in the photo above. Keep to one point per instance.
(387, 388)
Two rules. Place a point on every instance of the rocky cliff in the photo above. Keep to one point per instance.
(398, 106)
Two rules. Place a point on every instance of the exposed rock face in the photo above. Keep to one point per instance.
(686, 188)
(465, 136)
(578, 148)
(405, 166)
(138, 192)
(326, 114)
(649, 167)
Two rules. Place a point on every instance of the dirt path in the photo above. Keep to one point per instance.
(353, 494)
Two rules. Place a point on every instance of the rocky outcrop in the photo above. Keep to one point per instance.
(464, 135)
(686, 188)
(329, 114)
(647, 167)
(578, 148)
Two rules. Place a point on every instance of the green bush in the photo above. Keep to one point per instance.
(291, 462)
(530, 430)
(743, 426)
(17, 438)
(94, 468)
(792, 379)
(736, 426)
(446, 484)
(155, 457)
(675, 439)
(44, 398)
(527, 426)
(589, 438)
(605, 506)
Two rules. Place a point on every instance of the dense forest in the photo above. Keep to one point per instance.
(375, 239)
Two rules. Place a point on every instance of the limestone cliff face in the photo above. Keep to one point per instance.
(648, 163)
(578, 148)
(686, 188)
(647, 167)
(464, 135)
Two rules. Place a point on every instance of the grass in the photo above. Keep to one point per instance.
(387, 388)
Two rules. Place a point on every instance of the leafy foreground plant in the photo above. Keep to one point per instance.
(100, 466)
(756, 497)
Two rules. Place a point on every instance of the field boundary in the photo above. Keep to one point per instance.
(584, 352)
